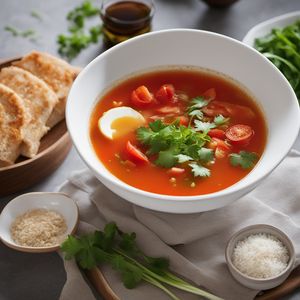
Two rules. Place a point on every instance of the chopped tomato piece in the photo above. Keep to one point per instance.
(220, 153)
(175, 171)
(168, 110)
(215, 142)
(183, 120)
(141, 97)
(239, 134)
(217, 133)
(221, 147)
(166, 94)
(227, 109)
(210, 94)
(135, 154)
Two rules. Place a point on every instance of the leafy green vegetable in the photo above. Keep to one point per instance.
(166, 159)
(220, 120)
(194, 108)
(36, 15)
(171, 141)
(203, 126)
(196, 113)
(12, 30)
(16, 32)
(282, 47)
(199, 102)
(121, 252)
(199, 170)
(244, 159)
(183, 158)
(71, 45)
(206, 155)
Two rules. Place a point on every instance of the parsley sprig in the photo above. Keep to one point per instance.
(79, 38)
(121, 251)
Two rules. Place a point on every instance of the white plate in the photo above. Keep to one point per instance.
(264, 28)
(53, 201)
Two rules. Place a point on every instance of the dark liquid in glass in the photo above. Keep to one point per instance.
(125, 19)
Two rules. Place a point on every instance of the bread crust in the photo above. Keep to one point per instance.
(39, 101)
(13, 118)
(58, 74)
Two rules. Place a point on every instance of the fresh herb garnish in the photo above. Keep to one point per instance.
(183, 158)
(194, 109)
(79, 38)
(120, 250)
(203, 126)
(199, 170)
(220, 120)
(206, 155)
(244, 159)
(36, 15)
(29, 33)
(282, 47)
(198, 102)
(173, 143)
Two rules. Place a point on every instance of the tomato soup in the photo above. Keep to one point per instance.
(178, 132)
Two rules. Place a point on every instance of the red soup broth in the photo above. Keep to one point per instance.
(151, 178)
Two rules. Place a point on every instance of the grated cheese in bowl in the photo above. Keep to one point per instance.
(39, 228)
(260, 256)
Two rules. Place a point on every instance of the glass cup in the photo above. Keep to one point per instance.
(123, 19)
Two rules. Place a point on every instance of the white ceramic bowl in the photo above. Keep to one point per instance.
(262, 29)
(196, 48)
(254, 283)
(59, 202)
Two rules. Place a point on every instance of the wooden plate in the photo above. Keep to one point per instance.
(55, 146)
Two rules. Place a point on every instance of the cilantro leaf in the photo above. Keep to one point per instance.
(158, 264)
(199, 170)
(220, 120)
(203, 126)
(244, 159)
(144, 135)
(182, 158)
(196, 113)
(199, 102)
(131, 274)
(128, 243)
(206, 155)
(166, 159)
(157, 125)
(71, 246)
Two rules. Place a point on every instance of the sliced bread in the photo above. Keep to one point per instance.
(12, 120)
(39, 101)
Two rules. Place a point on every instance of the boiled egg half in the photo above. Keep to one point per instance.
(119, 121)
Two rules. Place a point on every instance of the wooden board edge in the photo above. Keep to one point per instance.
(100, 283)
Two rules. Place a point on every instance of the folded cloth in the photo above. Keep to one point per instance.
(194, 243)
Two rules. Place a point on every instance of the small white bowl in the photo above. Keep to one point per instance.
(262, 29)
(52, 201)
(254, 283)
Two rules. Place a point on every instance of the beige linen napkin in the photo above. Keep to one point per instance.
(194, 243)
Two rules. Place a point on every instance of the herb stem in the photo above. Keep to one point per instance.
(156, 283)
(172, 281)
